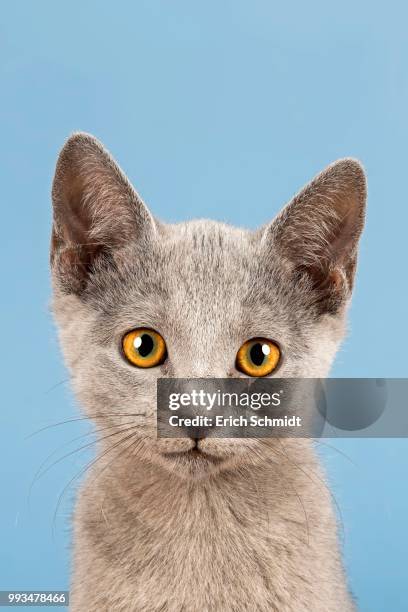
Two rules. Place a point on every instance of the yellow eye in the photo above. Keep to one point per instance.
(258, 357)
(144, 348)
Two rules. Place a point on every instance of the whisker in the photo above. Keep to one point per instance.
(85, 446)
(342, 453)
(292, 486)
(40, 472)
(82, 472)
(135, 439)
(320, 482)
(86, 418)
(58, 384)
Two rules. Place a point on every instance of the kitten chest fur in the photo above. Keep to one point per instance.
(256, 539)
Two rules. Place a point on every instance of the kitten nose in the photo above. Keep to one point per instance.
(197, 440)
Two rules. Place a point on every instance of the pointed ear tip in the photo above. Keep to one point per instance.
(78, 140)
(81, 136)
(77, 143)
(75, 146)
(349, 163)
(349, 167)
(350, 172)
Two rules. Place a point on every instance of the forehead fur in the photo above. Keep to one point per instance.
(205, 286)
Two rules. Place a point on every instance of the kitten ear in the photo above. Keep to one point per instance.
(317, 233)
(96, 211)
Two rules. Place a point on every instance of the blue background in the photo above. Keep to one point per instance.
(214, 109)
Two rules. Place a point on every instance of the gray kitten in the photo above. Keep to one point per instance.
(177, 525)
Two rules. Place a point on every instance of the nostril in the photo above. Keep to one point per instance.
(196, 441)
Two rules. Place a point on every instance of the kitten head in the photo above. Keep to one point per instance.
(205, 288)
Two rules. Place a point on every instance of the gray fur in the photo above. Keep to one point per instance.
(255, 531)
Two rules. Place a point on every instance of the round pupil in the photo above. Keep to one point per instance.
(144, 344)
(257, 354)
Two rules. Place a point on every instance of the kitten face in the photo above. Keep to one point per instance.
(206, 288)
